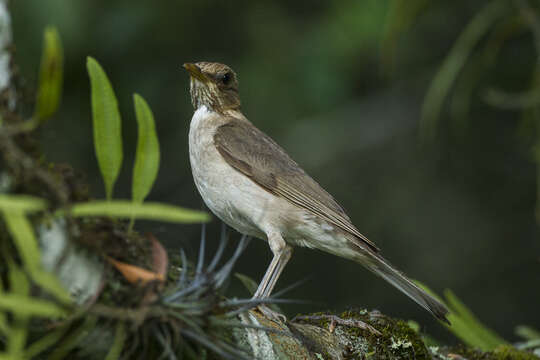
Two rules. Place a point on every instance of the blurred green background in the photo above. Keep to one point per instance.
(341, 86)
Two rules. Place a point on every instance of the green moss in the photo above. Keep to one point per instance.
(396, 341)
(503, 352)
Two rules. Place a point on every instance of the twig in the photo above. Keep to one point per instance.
(337, 320)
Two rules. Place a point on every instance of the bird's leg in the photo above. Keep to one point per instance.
(282, 253)
(283, 258)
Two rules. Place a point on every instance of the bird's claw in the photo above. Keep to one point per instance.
(271, 314)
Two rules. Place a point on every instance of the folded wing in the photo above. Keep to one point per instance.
(256, 155)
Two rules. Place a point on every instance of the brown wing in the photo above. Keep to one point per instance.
(256, 155)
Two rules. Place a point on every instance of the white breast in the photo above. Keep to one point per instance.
(230, 195)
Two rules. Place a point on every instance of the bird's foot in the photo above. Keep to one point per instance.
(271, 314)
(337, 320)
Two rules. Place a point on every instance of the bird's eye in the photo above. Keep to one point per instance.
(226, 78)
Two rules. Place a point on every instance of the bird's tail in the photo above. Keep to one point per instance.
(378, 265)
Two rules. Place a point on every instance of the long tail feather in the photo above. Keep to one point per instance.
(378, 265)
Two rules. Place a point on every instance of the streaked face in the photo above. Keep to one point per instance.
(213, 85)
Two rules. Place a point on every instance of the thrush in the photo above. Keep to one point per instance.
(248, 181)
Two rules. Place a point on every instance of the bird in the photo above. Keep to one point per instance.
(250, 182)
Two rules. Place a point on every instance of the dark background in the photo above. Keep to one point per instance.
(340, 85)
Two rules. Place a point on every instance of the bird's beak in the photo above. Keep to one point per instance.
(195, 72)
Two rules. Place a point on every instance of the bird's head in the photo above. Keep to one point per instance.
(213, 85)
